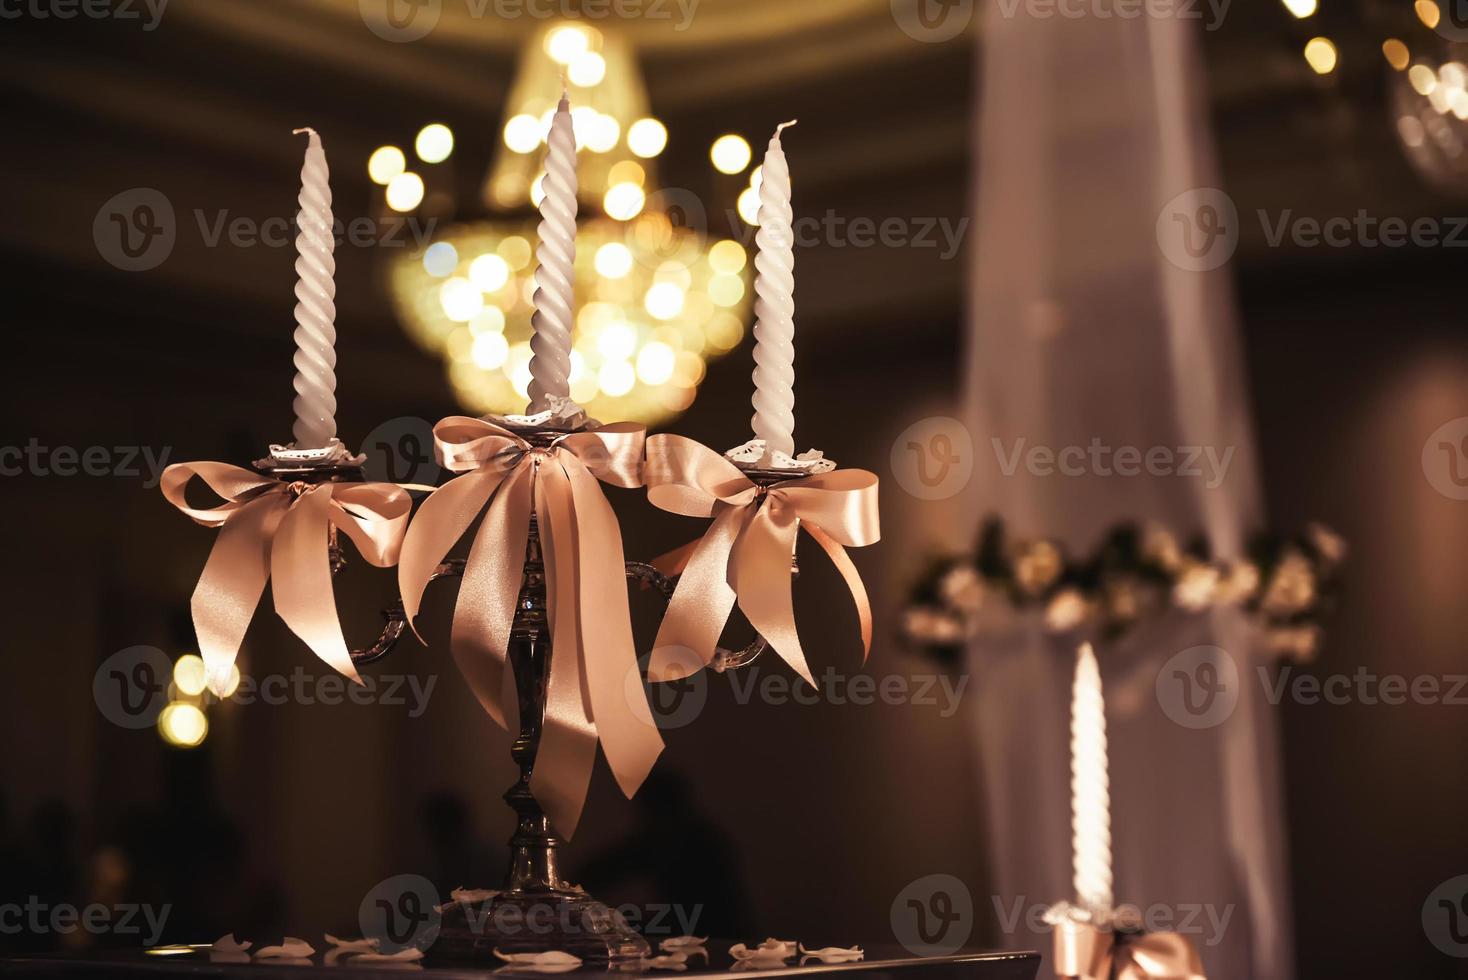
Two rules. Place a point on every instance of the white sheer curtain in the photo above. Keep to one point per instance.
(1082, 330)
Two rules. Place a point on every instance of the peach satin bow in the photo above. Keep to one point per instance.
(269, 529)
(1086, 952)
(595, 689)
(744, 556)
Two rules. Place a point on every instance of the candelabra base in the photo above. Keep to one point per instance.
(565, 919)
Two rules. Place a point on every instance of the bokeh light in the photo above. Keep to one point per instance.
(647, 138)
(405, 191)
(1320, 54)
(730, 154)
(434, 143)
(385, 163)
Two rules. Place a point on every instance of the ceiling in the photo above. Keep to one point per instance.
(202, 108)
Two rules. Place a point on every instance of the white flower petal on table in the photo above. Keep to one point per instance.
(770, 949)
(408, 954)
(473, 895)
(683, 942)
(550, 961)
(352, 945)
(291, 948)
(228, 944)
(833, 954)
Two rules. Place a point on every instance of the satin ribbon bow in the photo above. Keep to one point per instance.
(745, 554)
(595, 687)
(1090, 953)
(269, 529)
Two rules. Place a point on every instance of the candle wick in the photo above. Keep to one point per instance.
(303, 129)
(784, 126)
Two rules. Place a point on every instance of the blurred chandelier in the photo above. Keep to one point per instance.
(655, 298)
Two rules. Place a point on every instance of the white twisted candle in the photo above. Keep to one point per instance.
(1090, 795)
(550, 362)
(315, 335)
(774, 307)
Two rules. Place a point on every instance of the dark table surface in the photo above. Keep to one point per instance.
(880, 962)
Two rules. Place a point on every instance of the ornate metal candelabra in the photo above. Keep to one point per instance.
(535, 909)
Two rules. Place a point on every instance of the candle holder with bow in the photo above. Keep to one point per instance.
(546, 562)
(542, 628)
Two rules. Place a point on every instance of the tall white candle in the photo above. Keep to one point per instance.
(550, 362)
(1090, 796)
(315, 336)
(774, 307)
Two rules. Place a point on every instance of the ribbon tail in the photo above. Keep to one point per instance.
(300, 566)
(231, 584)
(568, 734)
(375, 517)
(442, 520)
(1158, 956)
(624, 722)
(689, 635)
(848, 571)
(673, 562)
(485, 610)
(760, 571)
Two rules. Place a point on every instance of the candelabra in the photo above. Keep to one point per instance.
(535, 909)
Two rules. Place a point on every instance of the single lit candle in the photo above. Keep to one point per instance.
(315, 336)
(774, 307)
(550, 361)
(1090, 796)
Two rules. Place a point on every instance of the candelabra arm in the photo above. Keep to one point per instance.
(397, 618)
(724, 659)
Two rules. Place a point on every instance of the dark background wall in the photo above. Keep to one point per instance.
(826, 813)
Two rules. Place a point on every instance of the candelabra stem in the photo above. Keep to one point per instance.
(535, 911)
(533, 846)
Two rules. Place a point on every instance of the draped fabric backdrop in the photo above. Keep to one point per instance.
(1082, 329)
